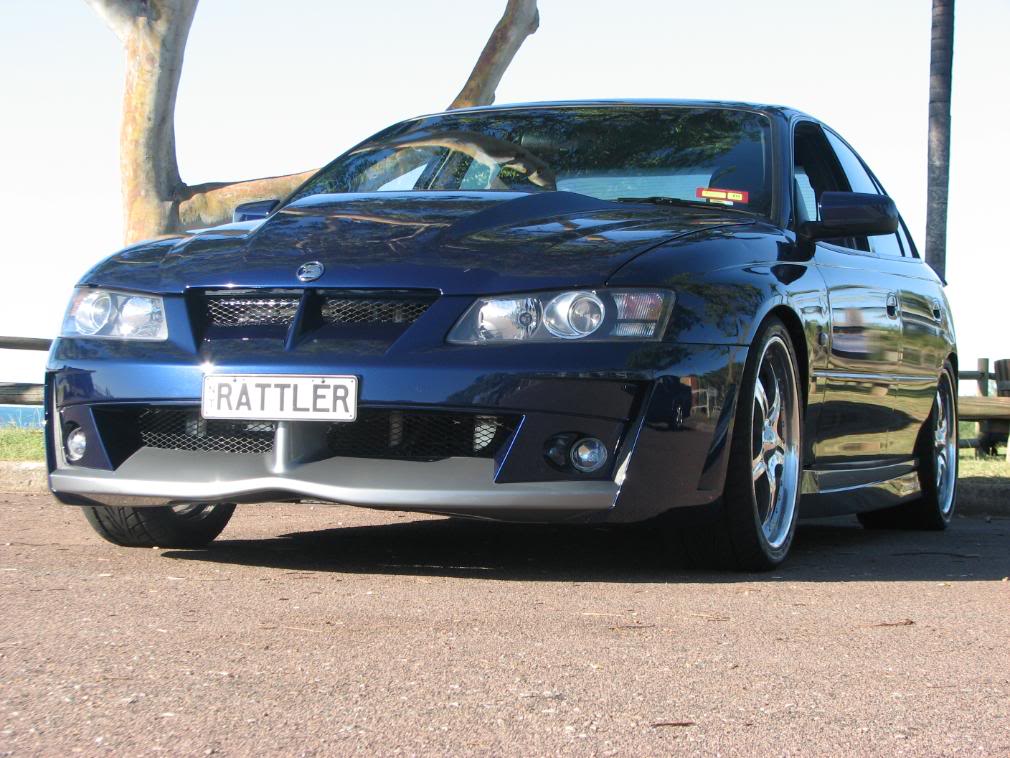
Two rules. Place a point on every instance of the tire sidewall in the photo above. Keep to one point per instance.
(927, 478)
(742, 506)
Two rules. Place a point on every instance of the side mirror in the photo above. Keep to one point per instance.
(852, 214)
(254, 211)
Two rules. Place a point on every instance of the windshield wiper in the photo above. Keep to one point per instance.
(679, 202)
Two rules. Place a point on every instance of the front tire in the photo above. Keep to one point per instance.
(938, 460)
(752, 526)
(180, 526)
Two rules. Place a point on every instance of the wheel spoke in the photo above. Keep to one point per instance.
(775, 413)
(762, 398)
(759, 468)
(773, 491)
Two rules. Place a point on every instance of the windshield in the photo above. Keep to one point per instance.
(696, 154)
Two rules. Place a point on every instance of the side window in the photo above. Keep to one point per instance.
(906, 241)
(860, 181)
(404, 182)
(816, 170)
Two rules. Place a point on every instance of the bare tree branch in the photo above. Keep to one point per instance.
(520, 20)
(117, 14)
(212, 204)
(154, 32)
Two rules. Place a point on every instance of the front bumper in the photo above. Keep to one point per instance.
(454, 485)
(664, 411)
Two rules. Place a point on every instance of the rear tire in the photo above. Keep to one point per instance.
(751, 526)
(938, 459)
(171, 526)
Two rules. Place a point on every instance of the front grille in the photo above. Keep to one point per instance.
(354, 310)
(420, 435)
(177, 429)
(248, 310)
(277, 308)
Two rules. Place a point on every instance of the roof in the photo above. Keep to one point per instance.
(781, 110)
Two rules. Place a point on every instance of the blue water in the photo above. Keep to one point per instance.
(27, 416)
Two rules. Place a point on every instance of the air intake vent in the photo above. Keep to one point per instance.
(176, 429)
(355, 310)
(420, 435)
(247, 309)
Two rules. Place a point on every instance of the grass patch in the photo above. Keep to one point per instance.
(22, 444)
(987, 467)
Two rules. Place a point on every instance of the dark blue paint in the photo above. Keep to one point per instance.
(729, 272)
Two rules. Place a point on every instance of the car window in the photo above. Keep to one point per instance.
(906, 241)
(404, 182)
(693, 154)
(806, 198)
(861, 181)
(886, 244)
(816, 170)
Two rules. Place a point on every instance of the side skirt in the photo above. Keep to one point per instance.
(836, 493)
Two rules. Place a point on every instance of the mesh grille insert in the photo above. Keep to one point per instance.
(349, 310)
(246, 310)
(420, 435)
(175, 429)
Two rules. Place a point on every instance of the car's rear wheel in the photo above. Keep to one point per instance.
(193, 525)
(937, 454)
(752, 526)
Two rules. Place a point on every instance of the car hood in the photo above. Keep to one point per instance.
(455, 242)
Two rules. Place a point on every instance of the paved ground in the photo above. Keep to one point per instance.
(340, 631)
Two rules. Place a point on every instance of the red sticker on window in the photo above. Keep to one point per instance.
(723, 195)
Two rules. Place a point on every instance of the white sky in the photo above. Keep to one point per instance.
(273, 88)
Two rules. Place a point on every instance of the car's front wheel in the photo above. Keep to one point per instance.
(752, 525)
(177, 526)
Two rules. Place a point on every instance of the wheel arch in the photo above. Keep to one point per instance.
(794, 326)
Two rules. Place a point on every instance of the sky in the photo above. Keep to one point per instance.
(267, 91)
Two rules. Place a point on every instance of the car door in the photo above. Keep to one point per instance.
(858, 383)
(924, 341)
(921, 309)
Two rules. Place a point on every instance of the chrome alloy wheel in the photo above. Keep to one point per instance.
(944, 446)
(188, 510)
(775, 454)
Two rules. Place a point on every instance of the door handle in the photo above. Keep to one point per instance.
(892, 306)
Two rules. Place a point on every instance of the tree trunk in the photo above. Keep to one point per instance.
(520, 20)
(938, 177)
(154, 32)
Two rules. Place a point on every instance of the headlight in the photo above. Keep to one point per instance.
(115, 315)
(586, 315)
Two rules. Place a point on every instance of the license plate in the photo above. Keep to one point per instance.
(272, 397)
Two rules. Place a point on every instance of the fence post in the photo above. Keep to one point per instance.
(981, 427)
(983, 377)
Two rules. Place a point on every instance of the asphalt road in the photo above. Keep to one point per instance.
(335, 631)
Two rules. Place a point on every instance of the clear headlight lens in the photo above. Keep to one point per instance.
(115, 315)
(591, 315)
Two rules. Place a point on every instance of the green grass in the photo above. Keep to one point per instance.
(21, 444)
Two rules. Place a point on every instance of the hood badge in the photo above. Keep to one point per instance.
(309, 272)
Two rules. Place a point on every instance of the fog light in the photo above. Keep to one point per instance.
(77, 444)
(588, 455)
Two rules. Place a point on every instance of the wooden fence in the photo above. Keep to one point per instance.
(12, 393)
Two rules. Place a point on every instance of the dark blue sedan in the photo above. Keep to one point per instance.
(709, 315)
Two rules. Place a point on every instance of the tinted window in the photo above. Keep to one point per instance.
(816, 170)
(906, 241)
(609, 152)
(860, 181)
